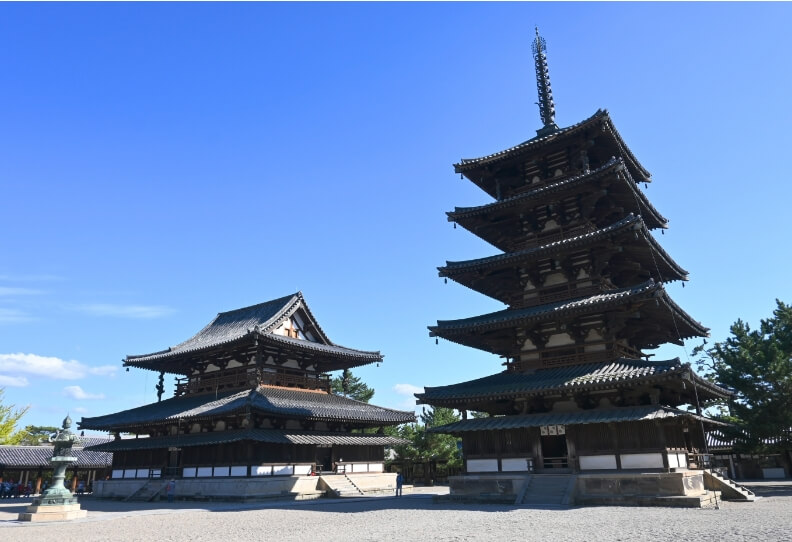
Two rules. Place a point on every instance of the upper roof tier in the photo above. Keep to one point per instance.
(654, 319)
(600, 196)
(281, 327)
(499, 173)
(625, 251)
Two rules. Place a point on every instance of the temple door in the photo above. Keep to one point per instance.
(174, 461)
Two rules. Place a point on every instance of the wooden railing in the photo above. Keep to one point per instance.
(556, 462)
(576, 354)
(243, 379)
(562, 292)
(553, 236)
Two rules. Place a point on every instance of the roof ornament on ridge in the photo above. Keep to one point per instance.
(546, 105)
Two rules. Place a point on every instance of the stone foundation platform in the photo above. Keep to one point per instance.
(39, 513)
(678, 489)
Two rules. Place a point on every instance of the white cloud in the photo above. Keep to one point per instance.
(76, 392)
(407, 389)
(13, 316)
(13, 381)
(51, 367)
(80, 410)
(9, 291)
(126, 311)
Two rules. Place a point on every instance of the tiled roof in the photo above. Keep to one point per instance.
(510, 317)
(611, 415)
(274, 436)
(281, 402)
(540, 141)
(14, 457)
(629, 223)
(614, 165)
(234, 326)
(588, 376)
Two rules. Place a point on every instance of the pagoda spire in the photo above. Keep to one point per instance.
(546, 105)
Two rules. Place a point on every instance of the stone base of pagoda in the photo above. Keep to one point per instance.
(679, 489)
(684, 488)
(52, 512)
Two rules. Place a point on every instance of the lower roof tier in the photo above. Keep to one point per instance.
(288, 403)
(672, 375)
(268, 436)
(648, 316)
(611, 415)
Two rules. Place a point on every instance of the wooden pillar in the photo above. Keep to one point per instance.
(74, 481)
(616, 449)
(38, 481)
(660, 428)
(571, 449)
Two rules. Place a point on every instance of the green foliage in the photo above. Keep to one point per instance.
(9, 416)
(424, 445)
(33, 435)
(757, 366)
(351, 386)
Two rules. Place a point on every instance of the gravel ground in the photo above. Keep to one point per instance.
(412, 517)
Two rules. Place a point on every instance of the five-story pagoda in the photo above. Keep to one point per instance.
(582, 278)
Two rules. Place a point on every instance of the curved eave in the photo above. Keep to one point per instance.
(168, 360)
(511, 317)
(270, 401)
(467, 216)
(440, 396)
(683, 319)
(611, 415)
(601, 116)
(331, 356)
(457, 270)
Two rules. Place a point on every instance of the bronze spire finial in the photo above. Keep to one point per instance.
(546, 105)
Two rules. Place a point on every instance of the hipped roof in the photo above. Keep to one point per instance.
(274, 401)
(257, 323)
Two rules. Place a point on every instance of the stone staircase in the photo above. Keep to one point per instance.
(341, 486)
(728, 488)
(149, 491)
(547, 490)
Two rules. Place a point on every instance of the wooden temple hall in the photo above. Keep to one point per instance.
(252, 400)
(583, 280)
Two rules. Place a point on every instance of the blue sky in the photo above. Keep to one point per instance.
(160, 163)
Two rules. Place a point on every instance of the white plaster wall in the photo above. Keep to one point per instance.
(642, 461)
(673, 461)
(560, 339)
(597, 462)
(482, 465)
(773, 472)
(513, 464)
(265, 470)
